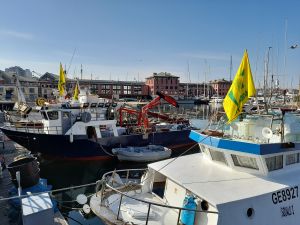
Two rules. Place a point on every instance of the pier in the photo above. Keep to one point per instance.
(8, 214)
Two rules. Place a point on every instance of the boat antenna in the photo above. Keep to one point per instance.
(285, 49)
(81, 72)
(71, 60)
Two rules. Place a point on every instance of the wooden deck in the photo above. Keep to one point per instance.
(6, 211)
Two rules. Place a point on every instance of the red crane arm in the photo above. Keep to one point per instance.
(130, 111)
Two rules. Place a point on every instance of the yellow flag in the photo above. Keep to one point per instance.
(61, 81)
(240, 90)
(76, 91)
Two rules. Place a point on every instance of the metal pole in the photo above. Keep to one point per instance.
(119, 209)
(178, 219)
(148, 213)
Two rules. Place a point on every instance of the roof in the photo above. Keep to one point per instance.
(162, 74)
(219, 184)
(220, 81)
(242, 145)
(9, 78)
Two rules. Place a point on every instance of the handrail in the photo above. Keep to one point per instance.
(150, 203)
(33, 129)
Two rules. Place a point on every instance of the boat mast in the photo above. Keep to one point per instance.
(230, 70)
(187, 83)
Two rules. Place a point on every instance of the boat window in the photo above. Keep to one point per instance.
(100, 105)
(91, 133)
(53, 115)
(106, 131)
(218, 156)
(292, 158)
(244, 161)
(85, 105)
(93, 105)
(275, 162)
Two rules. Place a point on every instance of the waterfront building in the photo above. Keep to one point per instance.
(8, 89)
(16, 70)
(220, 87)
(192, 90)
(163, 82)
(115, 89)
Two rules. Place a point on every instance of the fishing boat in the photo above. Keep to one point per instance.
(246, 170)
(147, 153)
(87, 130)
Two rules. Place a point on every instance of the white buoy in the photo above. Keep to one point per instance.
(86, 208)
(81, 199)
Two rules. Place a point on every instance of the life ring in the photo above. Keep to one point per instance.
(40, 101)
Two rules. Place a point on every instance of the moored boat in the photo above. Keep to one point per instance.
(147, 153)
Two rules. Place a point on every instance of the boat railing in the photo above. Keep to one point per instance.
(35, 128)
(130, 174)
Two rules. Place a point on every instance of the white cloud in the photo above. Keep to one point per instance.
(16, 34)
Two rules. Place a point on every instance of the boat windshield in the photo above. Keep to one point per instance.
(52, 115)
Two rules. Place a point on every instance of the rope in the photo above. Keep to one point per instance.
(103, 149)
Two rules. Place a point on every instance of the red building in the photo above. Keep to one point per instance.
(220, 87)
(163, 82)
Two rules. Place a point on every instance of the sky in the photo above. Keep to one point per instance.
(131, 39)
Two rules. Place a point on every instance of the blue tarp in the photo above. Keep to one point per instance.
(39, 187)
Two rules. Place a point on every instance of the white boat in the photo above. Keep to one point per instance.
(233, 180)
(216, 100)
(247, 173)
(147, 153)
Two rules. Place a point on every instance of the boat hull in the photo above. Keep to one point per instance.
(83, 148)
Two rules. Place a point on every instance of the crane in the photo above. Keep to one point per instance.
(142, 115)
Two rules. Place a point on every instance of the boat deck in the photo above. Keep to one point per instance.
(133, 211)
(202, 175)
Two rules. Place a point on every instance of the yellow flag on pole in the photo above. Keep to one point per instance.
(61, 81)
(76, 91)
(240, 90)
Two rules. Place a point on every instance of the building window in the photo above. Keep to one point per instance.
(116, 89)
(105, 89)
(275, 162)
(137, 90)
(244, 161)
(167, 87)
(217, 156)
(31, 90)
(292, 158)
(127, 89)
